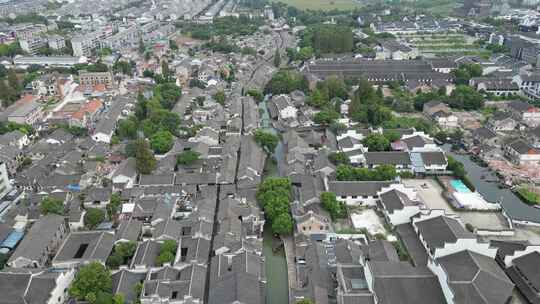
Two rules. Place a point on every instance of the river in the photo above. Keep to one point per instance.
(513, 206)
(277, 284)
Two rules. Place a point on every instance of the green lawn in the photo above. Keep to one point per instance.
(325, 5)
(528, 196)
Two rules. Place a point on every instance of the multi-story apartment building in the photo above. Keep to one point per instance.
(56, 42)
(95, 78)
(33, 44)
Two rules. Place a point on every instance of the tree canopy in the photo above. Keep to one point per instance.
(376, 142)
(284, 82)
(91, 280)
(93, 217)
(336, 208)
(266, 140)
(465, 72)
(167, 252)
(51, 205)
(380, 173)
(466, 98)
(274, 195)
(145, 160)
(187, 157)
(161, 142)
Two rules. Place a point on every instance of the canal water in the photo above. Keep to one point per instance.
(277, 284)
(513, 206)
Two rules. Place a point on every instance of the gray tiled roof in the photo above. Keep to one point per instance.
(155, 179)
(124, 281)
(99, 245)
(476, 278)
(442, 229)
(38, 238)
(13, 286)
(400, 283)
(129, 230)
(529, 268)
(146, 254)
(356, 188)
(387, 158)
(433, 158)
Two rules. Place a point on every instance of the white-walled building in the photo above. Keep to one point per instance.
(399, 203)
(357, 193)
(442, 235)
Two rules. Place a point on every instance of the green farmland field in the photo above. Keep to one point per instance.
(325, 5)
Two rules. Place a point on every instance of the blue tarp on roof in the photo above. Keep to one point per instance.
(13, 239)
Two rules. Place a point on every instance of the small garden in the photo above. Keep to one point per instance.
(528, 195)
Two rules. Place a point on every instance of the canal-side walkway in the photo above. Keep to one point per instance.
(288, 245)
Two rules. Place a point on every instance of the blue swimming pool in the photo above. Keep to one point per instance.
(459, 186)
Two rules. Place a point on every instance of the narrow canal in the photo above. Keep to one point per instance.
(513, 206)
(277, 286)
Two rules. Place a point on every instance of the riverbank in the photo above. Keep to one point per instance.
(278, 264)
(277, 287)
(512, 205)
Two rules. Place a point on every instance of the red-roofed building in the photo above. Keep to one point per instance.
(86, 115)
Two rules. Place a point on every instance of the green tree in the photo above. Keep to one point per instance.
(282, 224)
(8, 95)
(161, 142)
(256, 94)
(166, 120)
(3, 260)
(13, 80)
(142, 47)
(93, 217)
(380, 173)
(318, 98)
(391, 135)
(376, 142)
(466, 98)
(165, 71)
(126, 249)
(187, 157)
(465, 72)
(173, 45)
(3, 71)
(145, 160)
(118, 299)
(274, 196)
(114, 261)
(305, 53)
(127, 129)
(336, 208)
(114, 204)
(339, 158)
(335, 87)
(328, 38)
(91, 279)
(325, 117)
(277, 58)
(266, 140)
(284, 82)
(219, 97)
(167, 252)
(167, 94)
(51, 205)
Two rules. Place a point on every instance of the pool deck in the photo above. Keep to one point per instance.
(430, 192)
